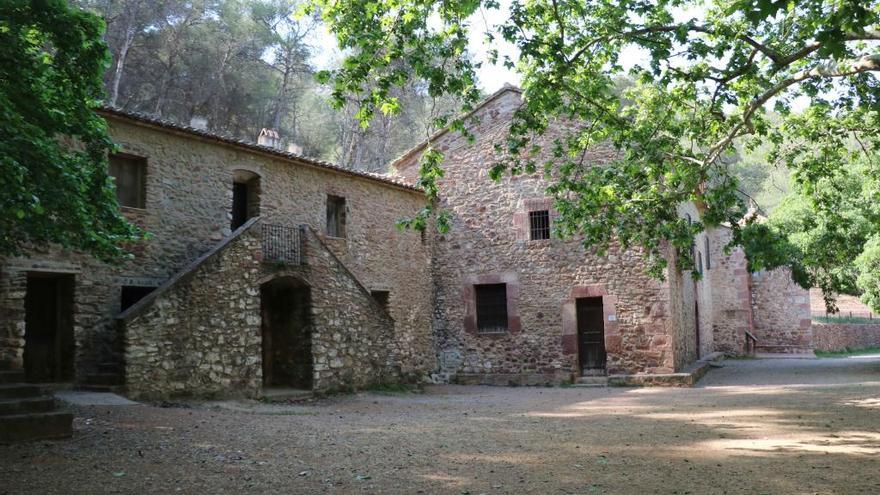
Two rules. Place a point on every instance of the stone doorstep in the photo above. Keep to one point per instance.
(687, 378)
(786, 355)
(281, 394)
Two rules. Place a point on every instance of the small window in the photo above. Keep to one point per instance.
(132, 294)
(708, 257)
(491, 305)
(335, 216)
(128, 174)
(539, 225)
(382, 297)
(700, 262)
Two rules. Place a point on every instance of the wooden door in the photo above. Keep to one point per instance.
(591, 335)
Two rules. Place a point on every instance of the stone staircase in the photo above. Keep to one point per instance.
(27, 413)
(108, 378)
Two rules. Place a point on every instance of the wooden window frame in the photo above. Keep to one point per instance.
(336, 226)
(140, 163)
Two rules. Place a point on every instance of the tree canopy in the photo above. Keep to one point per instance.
(706, 75)
(51, 65)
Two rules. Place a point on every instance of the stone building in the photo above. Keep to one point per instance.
(513, 304)
(268, 269)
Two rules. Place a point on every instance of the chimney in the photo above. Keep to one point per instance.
(269, 138)
(200, 123)
(295, 149)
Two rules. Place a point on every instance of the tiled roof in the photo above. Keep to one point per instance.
(249, 146)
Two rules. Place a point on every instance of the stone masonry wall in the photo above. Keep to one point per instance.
(731, 305)
(781, 312)
(489, 243)
(353, 343)
(842, 336)
(201, 336)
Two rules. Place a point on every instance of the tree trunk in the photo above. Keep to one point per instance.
(120, 65)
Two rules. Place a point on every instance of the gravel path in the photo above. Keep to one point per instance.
(752, 427)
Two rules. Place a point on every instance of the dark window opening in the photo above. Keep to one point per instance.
(539, 224)
(128, 174)
(708, 258)
(700, 262)
(335, 216)
(131, 294)
(382, 297)
(491, 305)
(239, 204)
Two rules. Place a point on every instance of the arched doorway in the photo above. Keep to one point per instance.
(287, 333)
(245, 197)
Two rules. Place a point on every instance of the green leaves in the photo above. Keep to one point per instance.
(670, 87)
(53, 172)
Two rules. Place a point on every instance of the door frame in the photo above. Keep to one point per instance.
(596, 303)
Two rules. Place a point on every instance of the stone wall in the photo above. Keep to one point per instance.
(200, 334)
(731, 305)
(781, 313)
(353, 340)
(489, 243)
(842, 336)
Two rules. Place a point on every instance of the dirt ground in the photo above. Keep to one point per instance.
(752, 427)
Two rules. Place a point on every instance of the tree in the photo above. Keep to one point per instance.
(50, 82)
(706, 74)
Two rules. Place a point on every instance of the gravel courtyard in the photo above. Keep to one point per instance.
(752, 427)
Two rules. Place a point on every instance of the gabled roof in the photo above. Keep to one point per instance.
(292, 158)
(439, 133)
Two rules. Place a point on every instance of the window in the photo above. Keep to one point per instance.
(128, 173)
(699, 262)
(381, 297)
(132, 294)
(491, 307)
(539, 225)
(335, 216)
(708, 257)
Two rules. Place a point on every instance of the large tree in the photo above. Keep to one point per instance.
(706, 74)
(51, 63)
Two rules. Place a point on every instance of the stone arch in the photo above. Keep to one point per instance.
(246, 193)
(285, 309)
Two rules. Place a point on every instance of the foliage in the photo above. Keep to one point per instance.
(705, 77)
(50, 81)
(848, 352)
(868, 266)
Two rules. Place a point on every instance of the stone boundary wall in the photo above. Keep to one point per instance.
(841, 336)
(781, 313)
(200, 335)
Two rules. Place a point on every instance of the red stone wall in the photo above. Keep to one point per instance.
(841, 336)
(781, 313)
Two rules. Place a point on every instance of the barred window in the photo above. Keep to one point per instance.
(491, 305)
(539, 225)
(128, 173)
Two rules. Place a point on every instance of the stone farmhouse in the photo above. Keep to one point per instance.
(267, 269)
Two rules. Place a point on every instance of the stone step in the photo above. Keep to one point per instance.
(104, 379)
(12, 376)
(110, 389)
(35, 426)
(286, 395)
(19, 390)
(113, 368)
(26, 405)
(5, 365)
(592, 381)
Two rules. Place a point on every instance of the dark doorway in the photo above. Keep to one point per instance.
(239, 204)
(287, 336)
(591, 335)
(48, 334)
